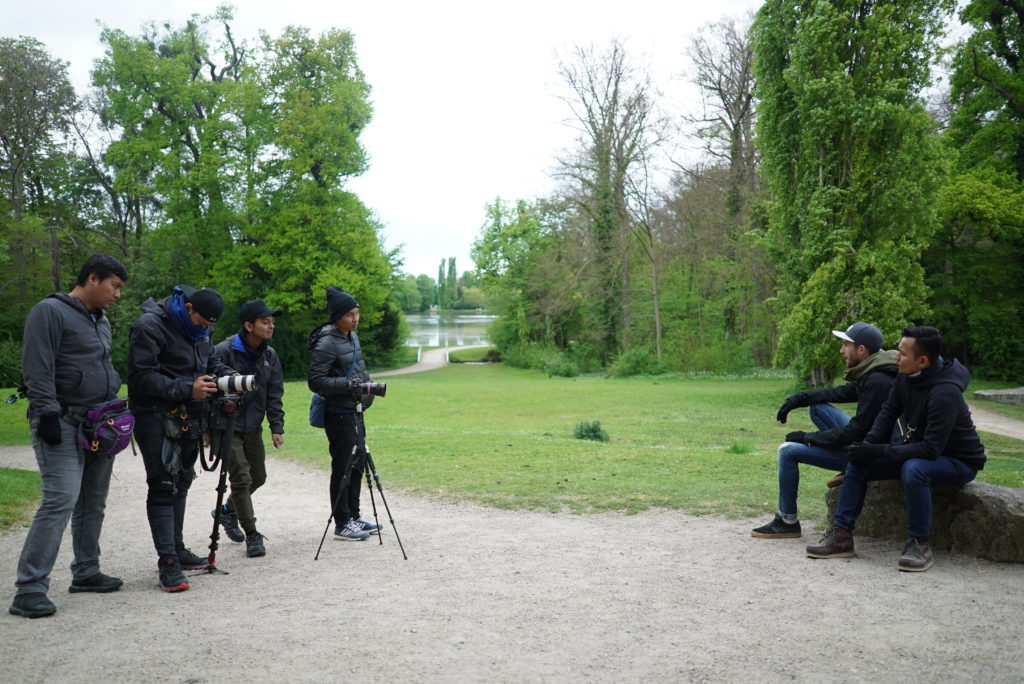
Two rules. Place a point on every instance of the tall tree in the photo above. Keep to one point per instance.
(613, 110)
(36, 104)
(977, 262)
(852, 163)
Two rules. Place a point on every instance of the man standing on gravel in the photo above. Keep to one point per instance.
(249, 353)
(924, 436)
(337, 371)
(65, 362)
(171, 371)
(870, 377)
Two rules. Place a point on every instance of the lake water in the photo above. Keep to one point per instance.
(447, 329)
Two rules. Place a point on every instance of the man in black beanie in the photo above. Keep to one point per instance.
(337, 372)
(171, 371)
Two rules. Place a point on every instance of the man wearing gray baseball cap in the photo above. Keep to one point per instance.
(870, 375)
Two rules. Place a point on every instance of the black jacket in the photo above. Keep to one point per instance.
(264, 363)
(162, 364)
(926, 416)
(333, 353)
(65, 356)
(871, 381)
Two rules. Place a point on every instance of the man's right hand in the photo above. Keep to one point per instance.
(48, 429)
(793, 401)
(203, 387)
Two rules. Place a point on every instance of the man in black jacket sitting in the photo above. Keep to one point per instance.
(870, 375)
(249, 353)
(924, 436)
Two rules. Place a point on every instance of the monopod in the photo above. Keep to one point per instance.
(228, 405)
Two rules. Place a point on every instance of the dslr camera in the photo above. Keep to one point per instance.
(235, 384)
(373, 389)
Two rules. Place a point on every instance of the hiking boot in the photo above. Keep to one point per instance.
(229, 521)
(837, 543)
(171, 576)
(367, 526)
(34, 605)
(777, 529)
(190, 561)
(98, 583)
(917, 555)
(835, 481)
(254, 545)
(350, 532)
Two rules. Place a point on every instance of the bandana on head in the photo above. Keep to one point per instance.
(181, 320)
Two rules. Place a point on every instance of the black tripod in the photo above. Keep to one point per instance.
(350, 465)
(228, 405)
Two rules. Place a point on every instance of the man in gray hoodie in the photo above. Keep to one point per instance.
(66, 366)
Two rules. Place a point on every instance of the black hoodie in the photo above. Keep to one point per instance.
(926, 416)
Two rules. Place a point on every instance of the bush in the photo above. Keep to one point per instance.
(636, 362)
(551, 360)
(590, 430)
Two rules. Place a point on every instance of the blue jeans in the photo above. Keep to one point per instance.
(791, 455)
(919, 475)
(74, 488)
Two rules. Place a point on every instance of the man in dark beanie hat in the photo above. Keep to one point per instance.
(171, 372)
(337, 371)
(249, 352)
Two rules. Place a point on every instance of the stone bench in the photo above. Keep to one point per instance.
(978, 519)
(1007, 396)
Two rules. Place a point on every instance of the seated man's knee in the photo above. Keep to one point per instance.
(161, 491)
(916, 470)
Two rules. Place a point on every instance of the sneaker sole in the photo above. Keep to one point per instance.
(905, 568)
(842, 554)
(775, 535)
(75, 588)
(31, 613)
(340, 538)
(181, 587)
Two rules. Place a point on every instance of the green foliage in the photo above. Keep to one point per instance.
(19, 494)
(549, 359)
(852, 162)
(478, 355)
(636, 362)
(740, 447)
(591, 430)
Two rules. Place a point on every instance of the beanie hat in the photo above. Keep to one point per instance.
(205, 302)
(339, 302)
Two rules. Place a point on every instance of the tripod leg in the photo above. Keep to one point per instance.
(342, 488)
(372, 468)
(373, 503)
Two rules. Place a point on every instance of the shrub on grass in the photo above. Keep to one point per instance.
(740, 447)
(636, 362)
(590, 430)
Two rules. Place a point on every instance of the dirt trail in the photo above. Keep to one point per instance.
(507, 596)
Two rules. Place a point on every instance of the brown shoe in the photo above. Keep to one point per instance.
(835, 481)
(917, 555)
(837, 543)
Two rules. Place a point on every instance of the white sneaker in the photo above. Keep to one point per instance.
(350, 532)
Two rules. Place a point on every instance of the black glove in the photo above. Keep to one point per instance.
(48, 429)
(797, 436)
(794, 401)
(862, 452)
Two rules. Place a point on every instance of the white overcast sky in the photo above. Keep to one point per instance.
(464, 93)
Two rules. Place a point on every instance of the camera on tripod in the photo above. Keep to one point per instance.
(235, 384)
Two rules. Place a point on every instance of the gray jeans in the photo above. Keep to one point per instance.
(74, 487)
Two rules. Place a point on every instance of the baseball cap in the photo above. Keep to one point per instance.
(862, 333)
(205, 302)
(256, 309)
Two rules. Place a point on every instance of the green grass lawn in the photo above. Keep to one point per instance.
(504, 437)
(19, 496)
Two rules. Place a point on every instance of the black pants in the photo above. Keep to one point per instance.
(165, 502)
(342, 434)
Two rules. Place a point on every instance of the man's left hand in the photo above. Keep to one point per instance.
(277, 439)
(862, 452)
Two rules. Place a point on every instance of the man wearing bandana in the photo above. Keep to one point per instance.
(171, 371)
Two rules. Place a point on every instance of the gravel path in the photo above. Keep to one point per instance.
(508, 596)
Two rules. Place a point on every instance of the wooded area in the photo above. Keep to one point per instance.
(854, 166)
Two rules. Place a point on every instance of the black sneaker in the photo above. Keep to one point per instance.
(229, 521)
(98, 583)
(171, 576)
(777, 529)
(190, 561)
(254, 545)
(34, 605)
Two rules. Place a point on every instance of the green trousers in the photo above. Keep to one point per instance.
(247, 472)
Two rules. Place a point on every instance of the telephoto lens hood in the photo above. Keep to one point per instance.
(235, 384)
